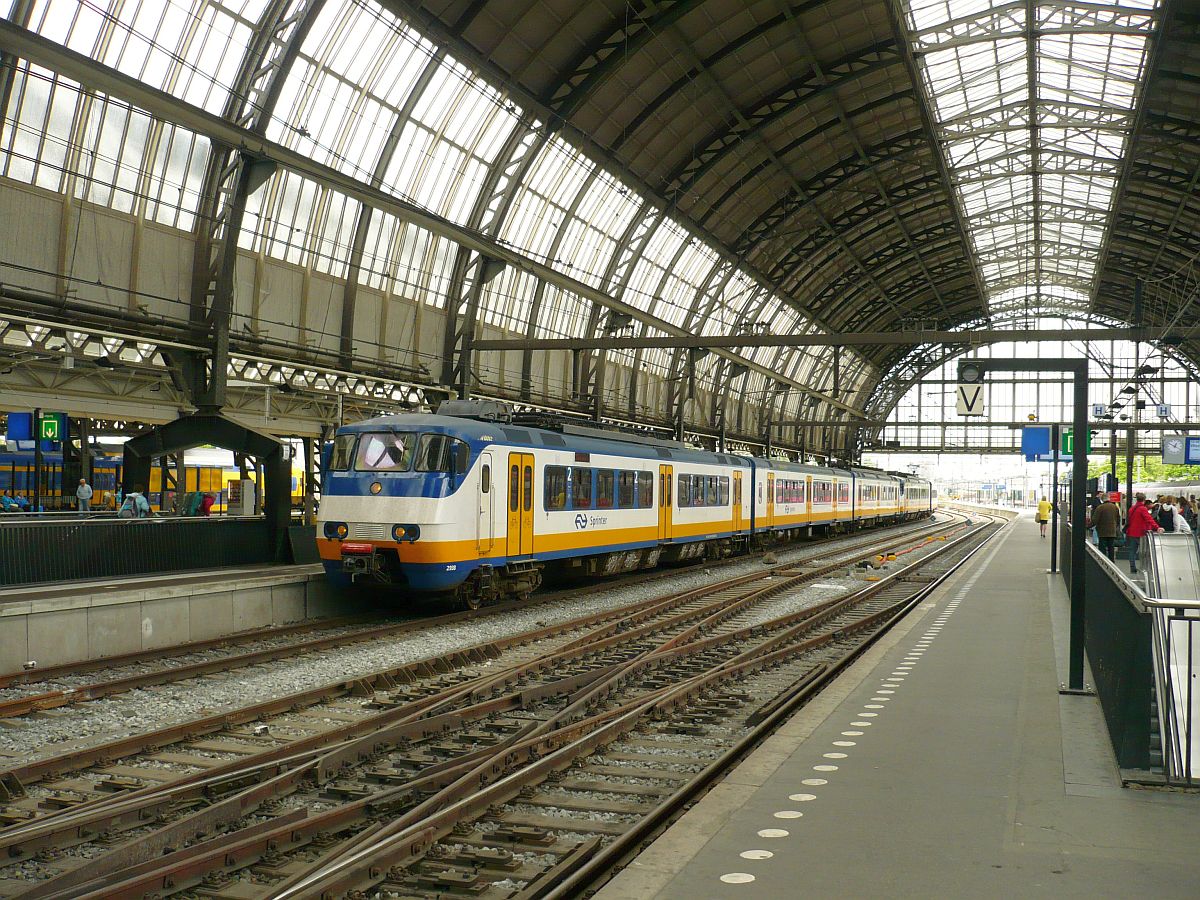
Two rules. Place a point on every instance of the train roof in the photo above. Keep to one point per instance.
(784, 465)
(580, 439)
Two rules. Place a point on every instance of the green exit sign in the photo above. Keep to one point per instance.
(50, 427)
(1067, 442)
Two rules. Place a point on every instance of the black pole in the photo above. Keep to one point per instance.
(38, 460)
(1078, 528)
(1054, 443)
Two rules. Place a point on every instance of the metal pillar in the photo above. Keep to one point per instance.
(85, 448)
(39, 461)
(310, 480)
(1055, 439)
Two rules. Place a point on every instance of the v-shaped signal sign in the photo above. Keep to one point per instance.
(970, 400)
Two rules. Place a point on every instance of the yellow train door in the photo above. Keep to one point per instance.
(808, 501)
(737, 501)
(666, 519)
(770, 499)
(520, 504)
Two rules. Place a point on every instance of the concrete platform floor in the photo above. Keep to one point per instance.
(944, 763)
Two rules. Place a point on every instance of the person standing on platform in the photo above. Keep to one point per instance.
(206, 505)
(1141, 523)
(1093, 505)
(1043, 514)
(1107, 520)
(83, 495)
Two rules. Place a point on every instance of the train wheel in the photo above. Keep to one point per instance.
(469, 595)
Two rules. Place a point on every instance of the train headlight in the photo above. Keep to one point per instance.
(405, 533)
(376, 487)
(337, 530)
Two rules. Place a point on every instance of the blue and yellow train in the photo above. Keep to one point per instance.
(17, 479)
(471, 505)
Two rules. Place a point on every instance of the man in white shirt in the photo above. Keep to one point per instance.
(83, 495)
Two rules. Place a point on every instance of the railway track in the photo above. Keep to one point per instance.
(286, 801)
(62, 685)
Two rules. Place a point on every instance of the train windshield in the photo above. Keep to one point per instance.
(385, 451)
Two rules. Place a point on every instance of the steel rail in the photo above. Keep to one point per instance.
(392, 849)
(161, 877)
(87, 815)
(20, 706)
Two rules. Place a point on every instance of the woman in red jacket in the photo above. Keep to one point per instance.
(1140, 523)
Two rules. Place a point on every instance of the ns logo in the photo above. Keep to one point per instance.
(581, 521)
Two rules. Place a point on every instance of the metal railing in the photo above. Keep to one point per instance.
(1175, 633)
(1143, 646)
(1173, 577)
(35, 550)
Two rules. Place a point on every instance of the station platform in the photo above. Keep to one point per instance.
(67, 622)
(942, 763)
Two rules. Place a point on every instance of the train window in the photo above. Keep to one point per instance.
(436, 452)
(485, 479)
(625, 483)
(604, 488)
(723, 491)
(581, 488)
(514, 488)
(666, 490)
(556, 487)
(685, 490)
(385, 451)
(343, 452)
(527, 487)
(645, 490)
(698, 490)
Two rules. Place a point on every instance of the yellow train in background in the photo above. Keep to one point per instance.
(208, 474)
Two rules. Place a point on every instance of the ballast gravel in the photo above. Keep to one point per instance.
(122, 715)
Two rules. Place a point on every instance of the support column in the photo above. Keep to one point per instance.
(311, 451)
(39, 460)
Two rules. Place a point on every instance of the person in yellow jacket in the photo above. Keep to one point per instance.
(1043, 513)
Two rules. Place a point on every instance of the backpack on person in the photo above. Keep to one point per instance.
(1165, 518)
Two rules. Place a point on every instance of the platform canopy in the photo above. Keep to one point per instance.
(309, 209)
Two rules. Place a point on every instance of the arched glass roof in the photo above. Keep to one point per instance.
(712, 166)
(1034, 106)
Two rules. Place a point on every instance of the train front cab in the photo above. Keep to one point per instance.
(392, 507)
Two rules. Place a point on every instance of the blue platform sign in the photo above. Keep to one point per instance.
(1035, 441)
(20, 427)
(1192, 452)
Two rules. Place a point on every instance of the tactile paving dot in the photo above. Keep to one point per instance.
(800, 798)
(756, 854)
(773, 833)
(737, 878)
(788, 814)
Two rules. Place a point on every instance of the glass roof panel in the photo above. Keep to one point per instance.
(1025, 140)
